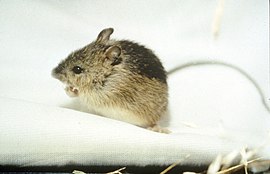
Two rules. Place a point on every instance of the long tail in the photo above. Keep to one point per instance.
(200, 63)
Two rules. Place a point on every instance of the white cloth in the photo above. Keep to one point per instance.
(213, 109)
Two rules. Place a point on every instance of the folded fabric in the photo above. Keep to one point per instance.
(208, 117)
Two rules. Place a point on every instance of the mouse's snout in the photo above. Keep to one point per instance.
(58, 71)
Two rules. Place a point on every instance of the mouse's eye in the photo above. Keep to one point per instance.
(77, 70)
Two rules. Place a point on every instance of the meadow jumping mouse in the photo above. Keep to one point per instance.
(119, 79)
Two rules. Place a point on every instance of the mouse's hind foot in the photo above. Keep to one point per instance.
(157, 128)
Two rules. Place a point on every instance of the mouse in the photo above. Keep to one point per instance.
(124, 80)
(118, 79)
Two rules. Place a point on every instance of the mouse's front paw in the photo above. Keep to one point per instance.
(71, 91)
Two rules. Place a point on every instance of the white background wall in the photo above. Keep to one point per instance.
(37, 34)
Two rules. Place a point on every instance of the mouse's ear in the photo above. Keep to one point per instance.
(104, 35)
(113, 52)
(113, 55)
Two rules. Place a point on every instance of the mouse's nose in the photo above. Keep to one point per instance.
(57, 71)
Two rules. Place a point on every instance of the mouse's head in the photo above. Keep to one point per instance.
(87, 66)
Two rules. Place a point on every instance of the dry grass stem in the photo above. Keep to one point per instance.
(217, 18)
(78, 172)
(237, 167)
(228, 160)
(215, 165)
(117, 171)
(170, 167)
(173, 165)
